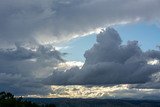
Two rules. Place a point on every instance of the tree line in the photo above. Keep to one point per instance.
(7, 99)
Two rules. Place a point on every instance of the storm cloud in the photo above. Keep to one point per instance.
(50, 21)
(110, 62)
(23, 68)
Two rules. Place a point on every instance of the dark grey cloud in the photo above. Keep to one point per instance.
(22, 85)
(154, 83)
(110, 62)
(153, 54)
(52, 20)
(23, 68)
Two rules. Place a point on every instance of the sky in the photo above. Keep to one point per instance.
(148, 39)
(80, 48)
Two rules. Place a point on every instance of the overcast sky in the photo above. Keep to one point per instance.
(54, 48)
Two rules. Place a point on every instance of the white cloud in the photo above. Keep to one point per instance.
(69, 64)
(153, 62)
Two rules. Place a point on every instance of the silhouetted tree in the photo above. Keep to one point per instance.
(8, 100)
(50, 105)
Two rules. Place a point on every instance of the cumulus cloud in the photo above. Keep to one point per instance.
(49, 21)
(110, 62)
(22, 68)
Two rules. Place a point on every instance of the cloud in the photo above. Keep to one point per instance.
(23, 68)
(39, 22)
(110, 62)
(69, 64)
(52, 21)
(103, 92)
(78, 91)
(32, 59)
(22, 85)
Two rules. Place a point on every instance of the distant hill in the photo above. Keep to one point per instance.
(66, 102)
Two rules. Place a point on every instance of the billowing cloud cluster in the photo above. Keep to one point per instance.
(22, 68)
(48, 21)
(110, 62)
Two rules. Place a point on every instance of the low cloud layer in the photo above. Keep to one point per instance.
(110, 62)
(110, 92)
(49, 21)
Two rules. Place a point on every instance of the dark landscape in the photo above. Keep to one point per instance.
(8, 100)
(67, 102)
